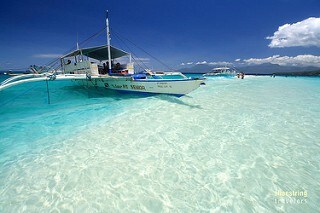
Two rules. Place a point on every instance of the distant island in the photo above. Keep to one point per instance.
(261, 69)
(305, 73)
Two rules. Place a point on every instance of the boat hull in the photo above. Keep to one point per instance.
(220, 75)
(162, 86)
(174, 87)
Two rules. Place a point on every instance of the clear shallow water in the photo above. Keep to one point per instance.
(228, 146)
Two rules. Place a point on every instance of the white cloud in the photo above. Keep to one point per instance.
(221, 63)
(202, 62)
(187, 63)
(237, 60)
(47, 55)
(304, 33)
(299, 60)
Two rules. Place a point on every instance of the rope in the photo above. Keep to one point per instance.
(48, 94)
(133, 56)
(56, 60)
(145, 51)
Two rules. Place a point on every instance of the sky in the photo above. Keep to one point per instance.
(178, 33)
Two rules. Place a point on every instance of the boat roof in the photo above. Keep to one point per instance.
(99, 52)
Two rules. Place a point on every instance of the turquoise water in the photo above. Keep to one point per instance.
(229, 146)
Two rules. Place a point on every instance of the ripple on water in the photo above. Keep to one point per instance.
(228, 146)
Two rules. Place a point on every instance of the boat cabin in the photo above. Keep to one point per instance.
(94, 61)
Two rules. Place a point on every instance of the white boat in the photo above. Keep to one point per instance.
(100, 66)
(222, 72)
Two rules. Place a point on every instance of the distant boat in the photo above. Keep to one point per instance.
(222, 72)
(82, 66)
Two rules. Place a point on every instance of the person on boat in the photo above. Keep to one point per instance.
(113, 69)
(105, 69)
(118, 66)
